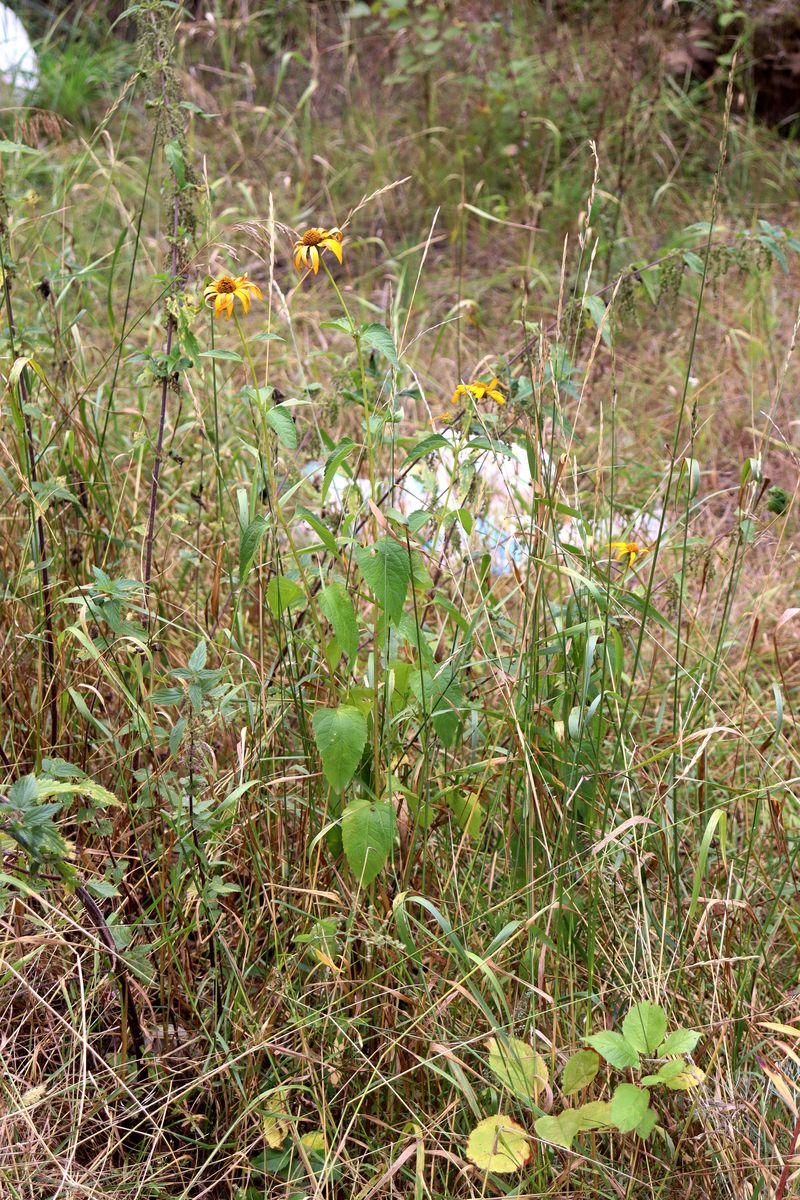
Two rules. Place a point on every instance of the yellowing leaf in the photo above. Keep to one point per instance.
(275, 1124)
(314, 1140)
(498, 1144)
(690, 1077)
(518, 1067)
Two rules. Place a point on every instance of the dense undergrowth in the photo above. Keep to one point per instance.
(399, 735)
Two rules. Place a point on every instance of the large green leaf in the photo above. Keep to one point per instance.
(387, 571)
(340, 735)
(377, 337)
(280, 421)
(628, 1106)
(368, 830)
(336, 605)
(680, 1041)
(614, 1049)
(645, 1026)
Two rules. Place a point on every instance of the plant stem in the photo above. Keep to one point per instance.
(40, 540)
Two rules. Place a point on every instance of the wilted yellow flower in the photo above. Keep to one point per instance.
(479, 391)
(631, 550)
(308, 250)
(223, 291)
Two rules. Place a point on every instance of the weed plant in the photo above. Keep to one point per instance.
(399, 629)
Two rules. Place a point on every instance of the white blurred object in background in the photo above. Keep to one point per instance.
(19, 68)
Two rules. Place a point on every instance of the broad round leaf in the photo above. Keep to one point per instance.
(628, 1106)
(518, 1067)
(499, 1144)
(645, 1026)
(579, 1071)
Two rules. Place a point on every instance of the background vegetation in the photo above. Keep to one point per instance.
(370, 825)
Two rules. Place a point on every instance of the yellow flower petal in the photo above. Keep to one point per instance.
(313, 254)
(334, 246)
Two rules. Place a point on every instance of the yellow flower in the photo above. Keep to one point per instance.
(308, 250)
(630, 549)
(480, 391)
(223, 291)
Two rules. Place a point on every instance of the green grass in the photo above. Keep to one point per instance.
(336, 791)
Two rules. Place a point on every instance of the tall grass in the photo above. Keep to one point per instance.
(348, 728)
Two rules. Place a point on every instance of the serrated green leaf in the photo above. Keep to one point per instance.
(645, 1026)
(579, 1071)
(337, 606)
(614, 1049)
(680, 1041)
(426, 445)
(386, 570)
(518, 1067)
(378, 338)
(197, 659)
(368, 830)
(280, 422)
(340, 735)
(628, 1106)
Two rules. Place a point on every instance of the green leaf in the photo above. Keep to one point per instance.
(197, 659)
(368, 831)
(283, 593)
(333, 462)
(223, 355)
(645, 1026)
(595, 1115)
(666, 1072)
(340, 735)
(628, 1106)
(680, 1041)
(498, 1144)
(319, 527)
(280, 421)
(378, 338)
(387, 571)
(426, 446)
(561, 1130)
(467, 809)
(647, 1124)
(518, 1067)
(174, 156)
(337, 606)
(249, 542)
(579, 1071)
(614, 1049)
